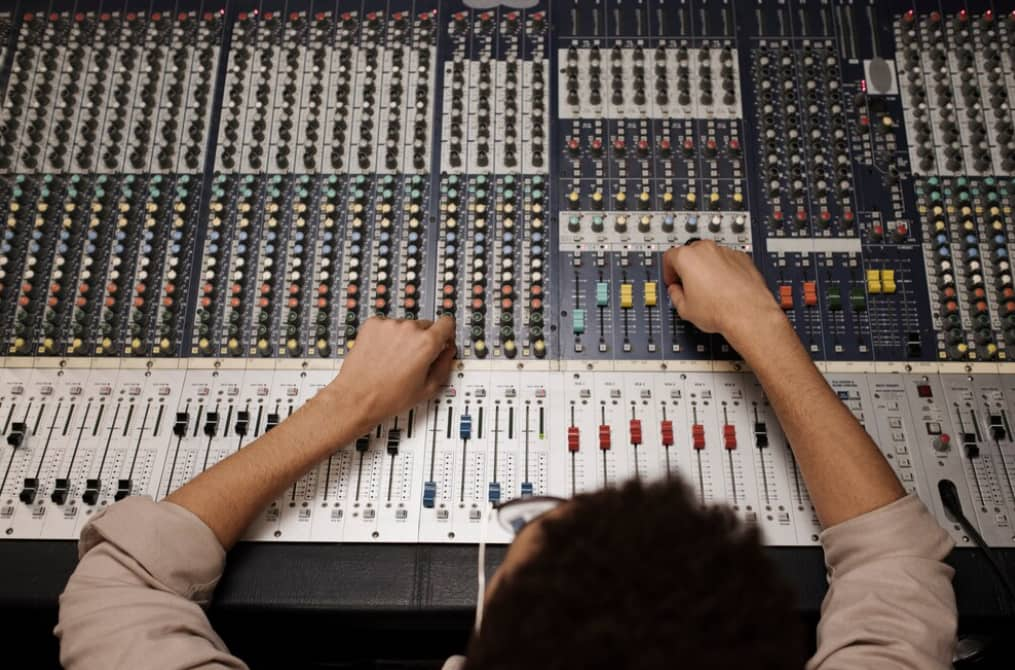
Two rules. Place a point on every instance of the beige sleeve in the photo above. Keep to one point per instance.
(135, 599)
(890, 602)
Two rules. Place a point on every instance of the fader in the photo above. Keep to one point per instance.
(204, 201)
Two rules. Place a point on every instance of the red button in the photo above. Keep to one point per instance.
(729, 436)
(604, 437)
(572, 438)
(666, 428)
(698, 436)
(635, 432)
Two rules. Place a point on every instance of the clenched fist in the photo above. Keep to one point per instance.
(719, 290)
(395, 365)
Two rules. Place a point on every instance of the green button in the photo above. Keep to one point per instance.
(858, 299)
(602, 294)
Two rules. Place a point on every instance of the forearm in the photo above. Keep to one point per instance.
(845, 472)
(229, 495)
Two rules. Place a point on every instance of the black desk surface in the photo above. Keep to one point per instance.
(424, 592)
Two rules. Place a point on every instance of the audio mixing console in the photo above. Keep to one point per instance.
(203, 200)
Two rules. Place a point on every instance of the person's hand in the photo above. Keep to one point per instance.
(717, 289)
(395, 365)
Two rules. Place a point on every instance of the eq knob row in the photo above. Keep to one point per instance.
(667, 200)
(484, 23)
(664, 148)
(647, 224)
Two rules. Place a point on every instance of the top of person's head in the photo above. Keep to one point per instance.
(641, 577)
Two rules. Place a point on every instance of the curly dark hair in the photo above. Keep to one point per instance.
(641, 577)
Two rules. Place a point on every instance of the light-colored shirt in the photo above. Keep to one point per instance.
(147, 570)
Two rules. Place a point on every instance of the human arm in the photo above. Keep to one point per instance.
(147, 568)
(720, 291)
(890, 602)
(395, 364)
